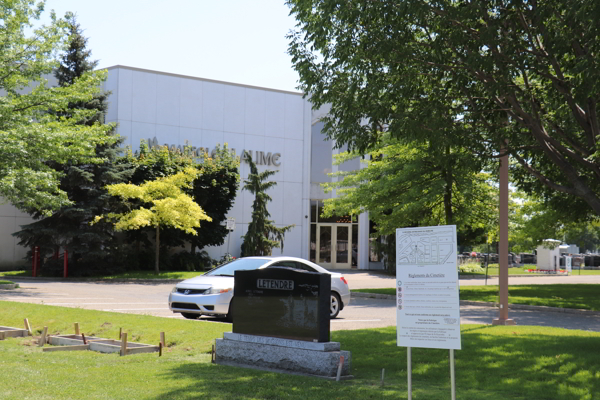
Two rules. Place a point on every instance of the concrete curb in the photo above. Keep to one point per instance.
(94, 280)
(8, 286)
(515, 276)
(487, 304)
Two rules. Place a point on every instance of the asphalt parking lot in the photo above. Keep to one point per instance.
(151, 299)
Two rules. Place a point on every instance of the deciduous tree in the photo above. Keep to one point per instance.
(31, 137)
(91, 247)
(524, 75)
(168, 205)
(417, 185)
(214, 189)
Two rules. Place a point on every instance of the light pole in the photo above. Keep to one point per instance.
(503, 245)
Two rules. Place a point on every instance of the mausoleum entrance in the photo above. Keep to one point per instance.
(333, 240)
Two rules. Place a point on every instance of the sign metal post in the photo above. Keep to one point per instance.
(427, 293)
(230, 227)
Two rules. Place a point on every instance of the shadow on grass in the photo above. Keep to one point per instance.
(495, 363)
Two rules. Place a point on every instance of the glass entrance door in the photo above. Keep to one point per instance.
(334, 244)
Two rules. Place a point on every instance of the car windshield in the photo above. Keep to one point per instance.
(237, 265)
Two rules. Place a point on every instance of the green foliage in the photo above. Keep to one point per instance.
(214, 189)
(262, 235)
(533, 221)
(92, 249)
(31, 137)
(525, 75)
(167, 205)
(418, 184)
(586, 235)
(471, 268)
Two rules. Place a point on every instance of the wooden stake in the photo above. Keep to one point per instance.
(83, 337)
(213, 355)
(28, 327)
(42, 340)
(162, 338)
(339, 371)
(123, 344)
(77, 328)
(120, 332)
(382, 375)
(160, 346)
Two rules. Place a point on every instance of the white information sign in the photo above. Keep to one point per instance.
(427, 302)
(569, 264)
(231, 224)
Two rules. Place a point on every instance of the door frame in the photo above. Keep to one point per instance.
(333, 264)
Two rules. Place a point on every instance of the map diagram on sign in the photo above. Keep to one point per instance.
(424, 247)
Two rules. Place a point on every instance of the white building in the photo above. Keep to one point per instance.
(280, 130)
(548, 255)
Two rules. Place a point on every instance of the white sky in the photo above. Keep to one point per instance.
(241, 41)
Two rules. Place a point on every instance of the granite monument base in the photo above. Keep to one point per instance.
(319, 359)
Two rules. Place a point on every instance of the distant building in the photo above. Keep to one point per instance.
(277, 127)
(568, 249)
(548, 255)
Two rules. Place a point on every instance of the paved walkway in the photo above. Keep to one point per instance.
(150, 298)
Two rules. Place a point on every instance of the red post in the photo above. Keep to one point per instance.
(66, 270)
(38, 259)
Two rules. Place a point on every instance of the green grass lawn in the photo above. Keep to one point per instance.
(495, 363)
(125, 275)
(580, 296)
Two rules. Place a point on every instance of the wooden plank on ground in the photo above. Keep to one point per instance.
(68, 348)
(145, 349)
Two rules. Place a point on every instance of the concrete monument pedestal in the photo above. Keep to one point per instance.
(319, 359)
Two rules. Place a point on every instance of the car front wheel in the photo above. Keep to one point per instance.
(335, 306)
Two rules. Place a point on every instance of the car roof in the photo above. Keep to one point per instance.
(287, 258)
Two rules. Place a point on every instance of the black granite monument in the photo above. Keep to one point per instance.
(282, 303)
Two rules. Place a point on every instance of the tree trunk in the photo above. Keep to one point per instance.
(156, 271)
(448, 192)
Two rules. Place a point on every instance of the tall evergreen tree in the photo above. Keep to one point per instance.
(90, 247)
(262, 235)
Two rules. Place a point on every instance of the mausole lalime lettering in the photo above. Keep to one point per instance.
(259, 157)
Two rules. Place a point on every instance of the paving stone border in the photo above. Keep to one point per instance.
(488, 304)
(8, 286)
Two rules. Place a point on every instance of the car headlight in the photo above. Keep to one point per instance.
(217, 290)
(174, 289)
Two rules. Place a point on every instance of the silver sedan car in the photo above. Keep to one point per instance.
(211, 293)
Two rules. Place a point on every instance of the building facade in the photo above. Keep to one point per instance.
(278, 128)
